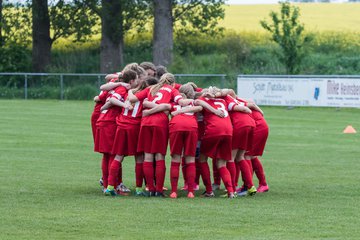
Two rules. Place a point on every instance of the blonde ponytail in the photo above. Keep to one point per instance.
(167, 78)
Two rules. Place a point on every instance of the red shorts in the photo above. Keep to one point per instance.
(104, 139)
(218, 147)
(183, 140)
(260, 135)
(242, 138)
(153, 139)
(126, 140)
(94, 117)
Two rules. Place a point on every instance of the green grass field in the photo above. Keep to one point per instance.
(49, 182)
(316, 17)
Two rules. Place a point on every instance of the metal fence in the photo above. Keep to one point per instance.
(60, 85)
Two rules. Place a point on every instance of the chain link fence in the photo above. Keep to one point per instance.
(77, 86)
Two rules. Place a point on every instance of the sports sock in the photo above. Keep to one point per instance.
(232, 169)
(246, 174)
(259, 171)
(250, 167)
(119, 174)
(139, 174)
(174, 175)
(160, 175)
(105, 169)
(205, 175)
(216, 175)
(226, 177)
(148, 169)
(190, 176)
(183, 169)
(113, 173)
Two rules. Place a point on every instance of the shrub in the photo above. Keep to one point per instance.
(81, 92)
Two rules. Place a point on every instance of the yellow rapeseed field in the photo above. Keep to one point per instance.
(316, 17)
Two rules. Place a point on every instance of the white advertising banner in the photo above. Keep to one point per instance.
(300, 91)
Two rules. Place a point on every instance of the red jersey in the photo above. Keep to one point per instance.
(239, 119)
(110, 114)
(214, 125)
(130, 116)
(102, 96)
(166, 94)
(182, 122)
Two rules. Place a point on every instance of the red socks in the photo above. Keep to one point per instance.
(148, 169)
(174, 175)
(259, 171)
(190, 176)
(246, 173)
(105, 169)
(139, 174)
(216, 175)
(205, 174)
(232, 169)
(160, 175)
(113, 173)
(226, 177)
(183, 169)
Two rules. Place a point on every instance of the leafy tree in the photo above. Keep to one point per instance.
(65, 19)
(288, 33)
(118, 17)
(192, 16)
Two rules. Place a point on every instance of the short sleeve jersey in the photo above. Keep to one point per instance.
(166, 94)
(111, 113)
(130, 116)
(184, 121)
(239, 119)
(215, 125)
(102, 96)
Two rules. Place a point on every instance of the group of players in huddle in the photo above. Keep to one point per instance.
(131, 118)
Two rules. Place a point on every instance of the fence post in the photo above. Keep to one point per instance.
(99, 81)
(61, 87)
(26, 87)
(222, 81)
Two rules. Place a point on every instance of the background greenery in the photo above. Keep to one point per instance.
(49, 182)
(243, 48)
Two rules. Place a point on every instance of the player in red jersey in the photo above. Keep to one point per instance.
(243, 127)
(216, 142)
(260, 135)
(106, 126)
(126, 137)
(154, 130)
(183, 141)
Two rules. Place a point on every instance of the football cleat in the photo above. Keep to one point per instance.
(160, 194)
(262, 188)
(110, 191)
(252, 191)
(185, 187)
(208, 195)
(173, 195)
(122, 188)
(190, 195)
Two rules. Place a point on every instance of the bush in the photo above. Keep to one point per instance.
(81, 92)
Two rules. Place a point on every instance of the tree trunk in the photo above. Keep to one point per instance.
(112, 36)
(163, 32)
(41, 50)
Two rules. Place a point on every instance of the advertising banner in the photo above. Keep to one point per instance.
(319, 91)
